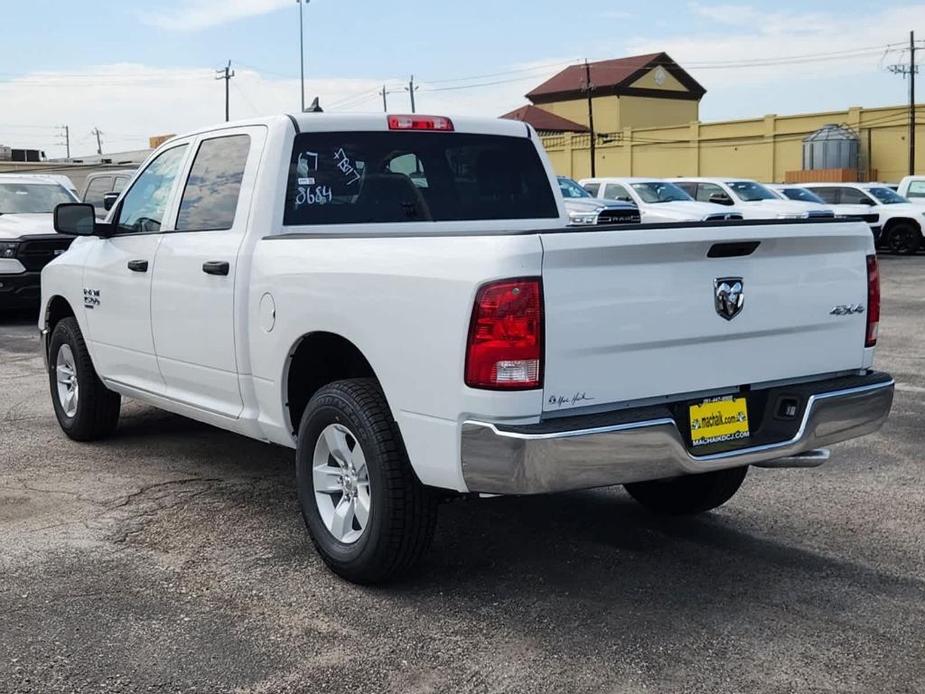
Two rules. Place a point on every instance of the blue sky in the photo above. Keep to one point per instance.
(137, 69)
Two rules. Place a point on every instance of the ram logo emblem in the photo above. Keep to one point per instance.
(728, 296)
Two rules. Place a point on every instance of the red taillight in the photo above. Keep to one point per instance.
(873, 301)
(416, 122)
(505, 348)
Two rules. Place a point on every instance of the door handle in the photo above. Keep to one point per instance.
(215, 267)
(138, 265)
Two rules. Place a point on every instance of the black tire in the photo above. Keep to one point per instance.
(682, 496)
(904, 238)
(402, 512)
(97, 409)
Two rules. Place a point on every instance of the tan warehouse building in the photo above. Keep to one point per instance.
(646, 119)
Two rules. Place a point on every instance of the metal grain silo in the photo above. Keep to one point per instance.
(831, 147)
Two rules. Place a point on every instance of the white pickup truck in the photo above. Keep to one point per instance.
(400, 299)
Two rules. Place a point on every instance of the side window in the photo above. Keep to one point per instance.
(210, 198)
(916, 189)
(97, 188)
(613, 191)
(118, 185)
(853, 196)
(593, 188)
(143, 207)
(829, 195)
(689, 188)
(707, 190)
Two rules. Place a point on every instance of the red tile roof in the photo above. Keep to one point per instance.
(613, 76)
(543, 120)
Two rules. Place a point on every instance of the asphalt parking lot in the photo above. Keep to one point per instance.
(172, 558)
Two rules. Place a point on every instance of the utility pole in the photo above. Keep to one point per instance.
(226, 73)
(99, 143)
(302, 52)
(911, 69)
(411, 89)
(385, 103)
(67, 140)
(589, 87)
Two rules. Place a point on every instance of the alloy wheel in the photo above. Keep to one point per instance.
(66, 376)
(340, 480)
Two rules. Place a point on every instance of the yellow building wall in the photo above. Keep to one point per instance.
(762, 148)
(606, 112)
(647, 112)
(612, 113)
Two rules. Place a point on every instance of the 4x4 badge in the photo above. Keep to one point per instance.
(728, 296)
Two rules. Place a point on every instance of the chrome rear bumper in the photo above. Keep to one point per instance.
(519, 460)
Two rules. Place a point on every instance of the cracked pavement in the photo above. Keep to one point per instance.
(172, 558)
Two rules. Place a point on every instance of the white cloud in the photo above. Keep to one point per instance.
(727, 56)
(202, 14)
(748, 32)
(131, 102)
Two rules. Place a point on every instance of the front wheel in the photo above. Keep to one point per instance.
(690, 494)
(904, 238)
(86, 409)
(368, 515)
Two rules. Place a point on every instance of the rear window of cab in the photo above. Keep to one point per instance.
(380, 177)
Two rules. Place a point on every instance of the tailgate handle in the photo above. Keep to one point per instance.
(736, 249)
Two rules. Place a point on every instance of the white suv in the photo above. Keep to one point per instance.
(658, 200)
(895, 222)
(752, 199)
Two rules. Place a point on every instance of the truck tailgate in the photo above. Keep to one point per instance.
(631, 313)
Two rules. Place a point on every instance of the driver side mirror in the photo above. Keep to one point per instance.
(109, 199)
(720, 199)
(75, 218)
(868, 202)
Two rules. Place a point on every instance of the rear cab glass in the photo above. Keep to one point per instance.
(379, 177)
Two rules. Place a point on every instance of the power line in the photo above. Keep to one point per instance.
(481, 84)
(247, 100)
(354, 98)
(535, 68)
(753, 62)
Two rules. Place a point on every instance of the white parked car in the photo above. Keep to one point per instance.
(796, 191)
(913, 189)
(751, 198)
(584, 209)
(400, 299)
(27, 236)
(895, 222)
(658, 201)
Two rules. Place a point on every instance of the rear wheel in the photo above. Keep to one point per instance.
(368, 515)
(690, 494)
(86, 409)
(904, 238)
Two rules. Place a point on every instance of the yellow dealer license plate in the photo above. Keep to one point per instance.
(720, 420)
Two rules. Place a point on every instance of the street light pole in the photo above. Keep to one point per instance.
(302, 52)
